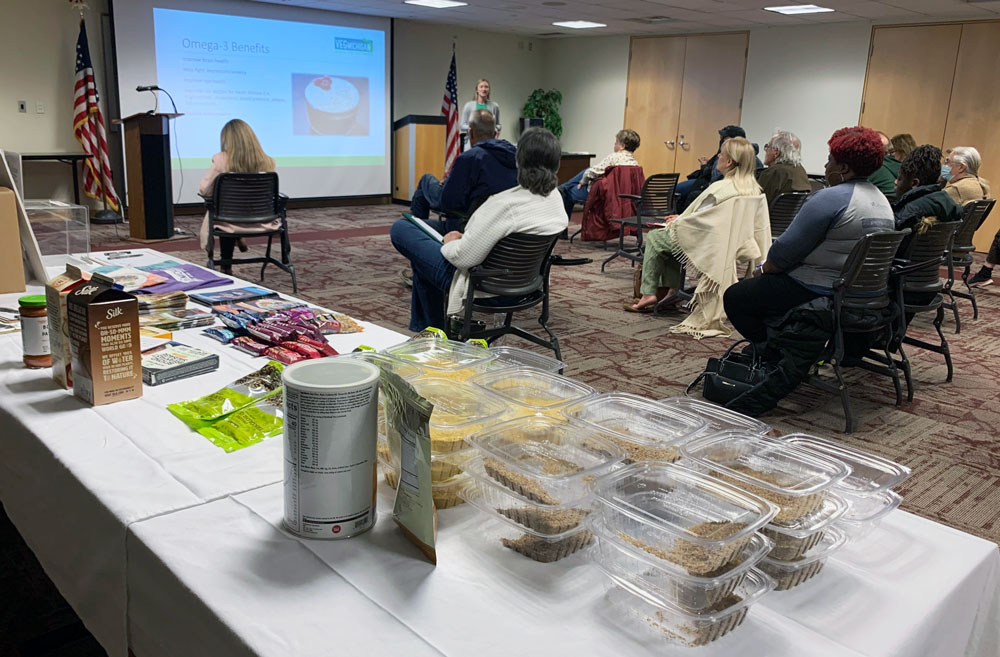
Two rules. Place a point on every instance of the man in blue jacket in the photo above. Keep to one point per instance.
(488, 167)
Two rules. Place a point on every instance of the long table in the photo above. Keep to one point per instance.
(166, 545)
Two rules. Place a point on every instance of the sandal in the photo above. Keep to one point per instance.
(644, 310)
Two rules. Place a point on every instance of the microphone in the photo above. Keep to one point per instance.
(151, 87)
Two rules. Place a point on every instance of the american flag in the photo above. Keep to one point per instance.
(88, 126)
(449, 107)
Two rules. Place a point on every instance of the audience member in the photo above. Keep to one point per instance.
(664, 255)
(920, 201)
(963, 184)
(902, 145)
(440, 271)
(485, 169)
(622, 155)
(481, 101)
(698, 180)
(808, 257)
(885, 176)
(240, 153)
(784, 172)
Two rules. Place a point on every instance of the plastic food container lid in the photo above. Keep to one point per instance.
(756, 549)
(32, 301)
(457, 404)
(438, 355)
(869, 473)
(515, 357)
(833, 539)
(798, 471)
(635, 419)
(832, 509)
(532, 388)
(406, 370)
(549, 450)
(870, 508)
(717, 418)
(673, 499)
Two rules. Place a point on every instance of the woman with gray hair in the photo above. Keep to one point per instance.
(963, 184)
(784, 172)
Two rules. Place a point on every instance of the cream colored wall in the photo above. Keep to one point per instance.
(38, 48)
(513, 65)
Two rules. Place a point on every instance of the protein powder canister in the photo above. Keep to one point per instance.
(331, 413)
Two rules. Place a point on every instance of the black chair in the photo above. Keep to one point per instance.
(518, 269)
(655, 202)
(918, 285)
(863, 285)
(973, 216)
(783, 209)
(248, 199)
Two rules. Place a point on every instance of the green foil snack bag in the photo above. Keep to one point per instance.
(407, 413)
(243, 392)
(247, 426)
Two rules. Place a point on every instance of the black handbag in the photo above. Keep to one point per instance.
(729, 376)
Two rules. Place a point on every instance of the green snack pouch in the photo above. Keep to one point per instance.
(413, 510)
(478, 342)
(201, 412)
(247, 426)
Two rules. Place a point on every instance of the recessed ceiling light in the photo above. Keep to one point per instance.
(791, 10)
(578, 25)
(436, 4)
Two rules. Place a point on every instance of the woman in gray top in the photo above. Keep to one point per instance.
(481, 101)
(808, 257)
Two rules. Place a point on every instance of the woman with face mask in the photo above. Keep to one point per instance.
(481, 101)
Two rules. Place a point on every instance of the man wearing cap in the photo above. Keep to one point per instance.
(698, 180)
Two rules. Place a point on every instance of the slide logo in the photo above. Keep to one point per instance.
(354, 45)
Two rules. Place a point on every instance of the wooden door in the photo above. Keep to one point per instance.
(711, 95)
(910, 72)
(975, 105)
(652, 103)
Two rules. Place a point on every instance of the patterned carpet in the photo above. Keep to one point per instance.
(344, 261)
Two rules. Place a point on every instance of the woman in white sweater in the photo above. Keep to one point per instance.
(440, 271)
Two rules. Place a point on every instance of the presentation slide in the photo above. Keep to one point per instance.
(315, 93)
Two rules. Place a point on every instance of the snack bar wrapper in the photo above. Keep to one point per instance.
(413, 510)
(243, 392)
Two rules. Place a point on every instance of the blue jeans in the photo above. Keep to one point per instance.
(571, 195)
(426, 197)
(432, 274)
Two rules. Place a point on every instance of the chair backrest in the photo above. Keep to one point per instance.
(930, 248)
(864, 280)
(783, 209)
(524, 257)
(657, 195)
(246, 197)
(973, 216)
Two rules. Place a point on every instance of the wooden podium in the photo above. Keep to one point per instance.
(147, 164)
(419, 149)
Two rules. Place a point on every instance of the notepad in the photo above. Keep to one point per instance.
(424, 226)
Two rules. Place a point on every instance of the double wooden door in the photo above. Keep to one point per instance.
(681, 91)
(939, 83)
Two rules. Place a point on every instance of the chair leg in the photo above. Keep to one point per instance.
(907, 371)
(944, 344)
(845, 398)
(613, 256)
(954, 309)
(972, 298)
(270, 239)
(894, 372)
(574, 235)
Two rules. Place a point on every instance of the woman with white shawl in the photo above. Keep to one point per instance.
(726, 227)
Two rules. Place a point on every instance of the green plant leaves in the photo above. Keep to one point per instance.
(545, 105)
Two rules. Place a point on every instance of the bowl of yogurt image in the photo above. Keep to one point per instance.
(332, 105)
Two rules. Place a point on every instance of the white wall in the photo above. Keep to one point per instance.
(591, 73)
(808, 80)
(512, 64)
(38, 48)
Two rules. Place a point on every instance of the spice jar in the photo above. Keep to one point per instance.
(35, 331)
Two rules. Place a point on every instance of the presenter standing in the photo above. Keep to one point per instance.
(480, 102)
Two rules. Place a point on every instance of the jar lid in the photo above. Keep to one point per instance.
(32, 301)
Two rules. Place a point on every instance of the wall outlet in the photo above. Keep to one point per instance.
(22, 106)
(39, 107)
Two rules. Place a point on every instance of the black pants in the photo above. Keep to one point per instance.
(226, 247)
(994, 254)
(752, 300)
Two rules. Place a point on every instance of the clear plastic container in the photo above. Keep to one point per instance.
(543, 459)
(791, 543)
(60, 228)
(460, 410)
(789, 574)
(407, 371)
(443, 466)
(683, 627)
(644, 429)
(515, 357)
(793, 478)
(679, 515)
(870, 508)
(869, 473)
(623, 562)
(532, 392)
(717, 418)
(445, 495)
(445, 359)
(534, 545)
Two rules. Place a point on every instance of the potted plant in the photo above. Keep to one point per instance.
(543, 105)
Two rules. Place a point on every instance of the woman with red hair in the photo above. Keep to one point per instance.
(804, 262)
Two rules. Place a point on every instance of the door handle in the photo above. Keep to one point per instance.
(670, 144)
(685, 145)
